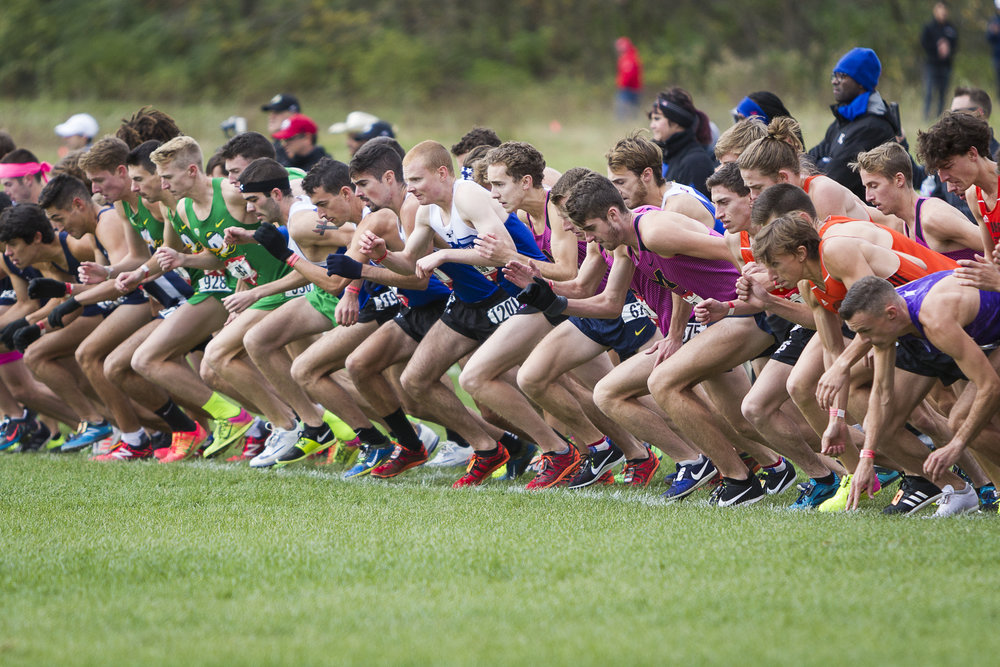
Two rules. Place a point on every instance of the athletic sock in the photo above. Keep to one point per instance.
(488, 453)
(600, 445)
(456, 438)
(512, 444)
(175, 418)
(403, 430)
(777, 467)
(739, 482)
(691, 462)
(372, 437)
(133, 438)
(828, 480)
(339, 427)
(220, 408)
(321, 434)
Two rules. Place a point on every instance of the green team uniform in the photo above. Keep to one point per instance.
(251, 262)
(324, 303)
(142, 220)
(206, 284)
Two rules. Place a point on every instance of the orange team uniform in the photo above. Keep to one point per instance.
(833, 291)
(991, 217)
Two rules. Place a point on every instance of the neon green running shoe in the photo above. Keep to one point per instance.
(838, 501)
(345, 453)
(303, 449)
(55, 442)
(228, 431)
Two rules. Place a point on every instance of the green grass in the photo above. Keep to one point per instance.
(205, 563)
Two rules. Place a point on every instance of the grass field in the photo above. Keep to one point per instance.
(208, 563)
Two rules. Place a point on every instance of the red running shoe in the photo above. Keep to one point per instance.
(401, 459)
(555, 469)
(481, 467)
(638, 473)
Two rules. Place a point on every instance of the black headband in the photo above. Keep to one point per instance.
(676, 113)
(266, 186)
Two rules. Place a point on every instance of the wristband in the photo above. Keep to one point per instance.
(291, 260)
(867, 454)
(69, 288)
(732, 308)
(41, 324)
(352, 289)
(379, 260)
(144, 270)
(839, 414)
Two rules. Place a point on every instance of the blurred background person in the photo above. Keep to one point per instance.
(939, 40)
(628, 80)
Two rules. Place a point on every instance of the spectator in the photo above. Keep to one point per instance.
(628, 80)
(939, 41)
(862, 119)
(477, 136)
(297, 135)
(361, 127)
(993, 37)
(682, 132)
(78, 131)
(281, 107)
(6, 144)
(763, 104)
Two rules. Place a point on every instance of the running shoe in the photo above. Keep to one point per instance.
(184, 444)
(838, 501)
(481, 467)
(555, 467)
(428, 437)
(690, 477)
(106, 445)
(815, 494)
(607, 479)
(639, 473)
(55, 443)
(989, 499)
(914, 494)
(127, 452)
(252, 444)
(751, 463)
(13, 429)
(735, 493)
(35, 438)
(368, 459)
(278, 444)
(450, 453)
(953, 503)
(228, 431)
(87, 433)
(343, 453)
(517, 465)
(306, 447)
(596, 464)
(887, 476)
(777, 481)
(401, 460)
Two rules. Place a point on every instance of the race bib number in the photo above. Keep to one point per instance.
(692, 330)
(502, 311)
(213, 281)
(385, 300)
(635, 311)
(240, 269)
(298, 291)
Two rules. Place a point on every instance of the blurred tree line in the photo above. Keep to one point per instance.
(248, 49)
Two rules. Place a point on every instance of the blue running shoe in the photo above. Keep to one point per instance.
(815, 494)
(887, 476)
(368, 459)
(86, 435)
(690, 477)
(989, 499)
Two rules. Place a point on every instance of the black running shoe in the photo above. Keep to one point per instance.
(914, 494)
(516, 465)
(775, 482)
(35, 438)
(596, 464)
(742, 492)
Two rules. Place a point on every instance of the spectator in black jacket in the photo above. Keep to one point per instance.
(939, 41)
(862, 119)
(683, 133)
(298, 137)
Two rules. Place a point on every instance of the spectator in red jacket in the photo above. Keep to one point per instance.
(629, 79)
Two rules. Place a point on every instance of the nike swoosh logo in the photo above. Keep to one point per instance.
(639, 332)
(736, 499)
(698, 475)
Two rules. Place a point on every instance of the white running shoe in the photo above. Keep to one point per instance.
(279, 443)
(428, 437)
(106, 445)
(954, 502)
(450, 454)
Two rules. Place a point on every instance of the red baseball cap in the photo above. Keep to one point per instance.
(294, 126)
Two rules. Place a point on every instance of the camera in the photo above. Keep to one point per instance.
(234, 125)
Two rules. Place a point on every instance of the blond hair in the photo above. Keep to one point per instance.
(183, 150)
(778, 150)
(886, 160)
(736, 139)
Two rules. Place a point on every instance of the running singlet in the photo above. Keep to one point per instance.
(250, 262)
(143, 221)
(746, 253)
(680, 189)
(693, 278)
(544, 239)
(470, 283)
(984, 329)
(412, 298)
(833, 291)
(918, 236)
(991, 217)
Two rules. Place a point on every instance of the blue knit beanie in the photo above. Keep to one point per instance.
(862, 65)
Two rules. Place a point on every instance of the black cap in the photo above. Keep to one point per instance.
(282, 102)
(377, 129)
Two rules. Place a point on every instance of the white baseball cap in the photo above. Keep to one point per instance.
(357, 122)
(80, 123)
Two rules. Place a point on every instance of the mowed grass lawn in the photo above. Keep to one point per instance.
(213, 563)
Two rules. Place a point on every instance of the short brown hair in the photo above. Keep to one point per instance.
(105, 155)
(870, 295)
(728, 176)
(886, 160)
(954, 134)
(778, 200)
(566, 183)
(520, 160)
(592, 197)
(432, 154)
(636, 153)
(783, 237)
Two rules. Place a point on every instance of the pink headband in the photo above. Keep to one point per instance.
(19, 169)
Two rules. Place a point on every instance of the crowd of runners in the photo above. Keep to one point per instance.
(779, 334)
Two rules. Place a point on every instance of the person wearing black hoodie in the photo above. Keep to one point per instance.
(862, 119)
(682, 132)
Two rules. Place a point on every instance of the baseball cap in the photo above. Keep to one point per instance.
(80, 123)
(357, 122)
(379, 128)
(282, 102)
(294, 126)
